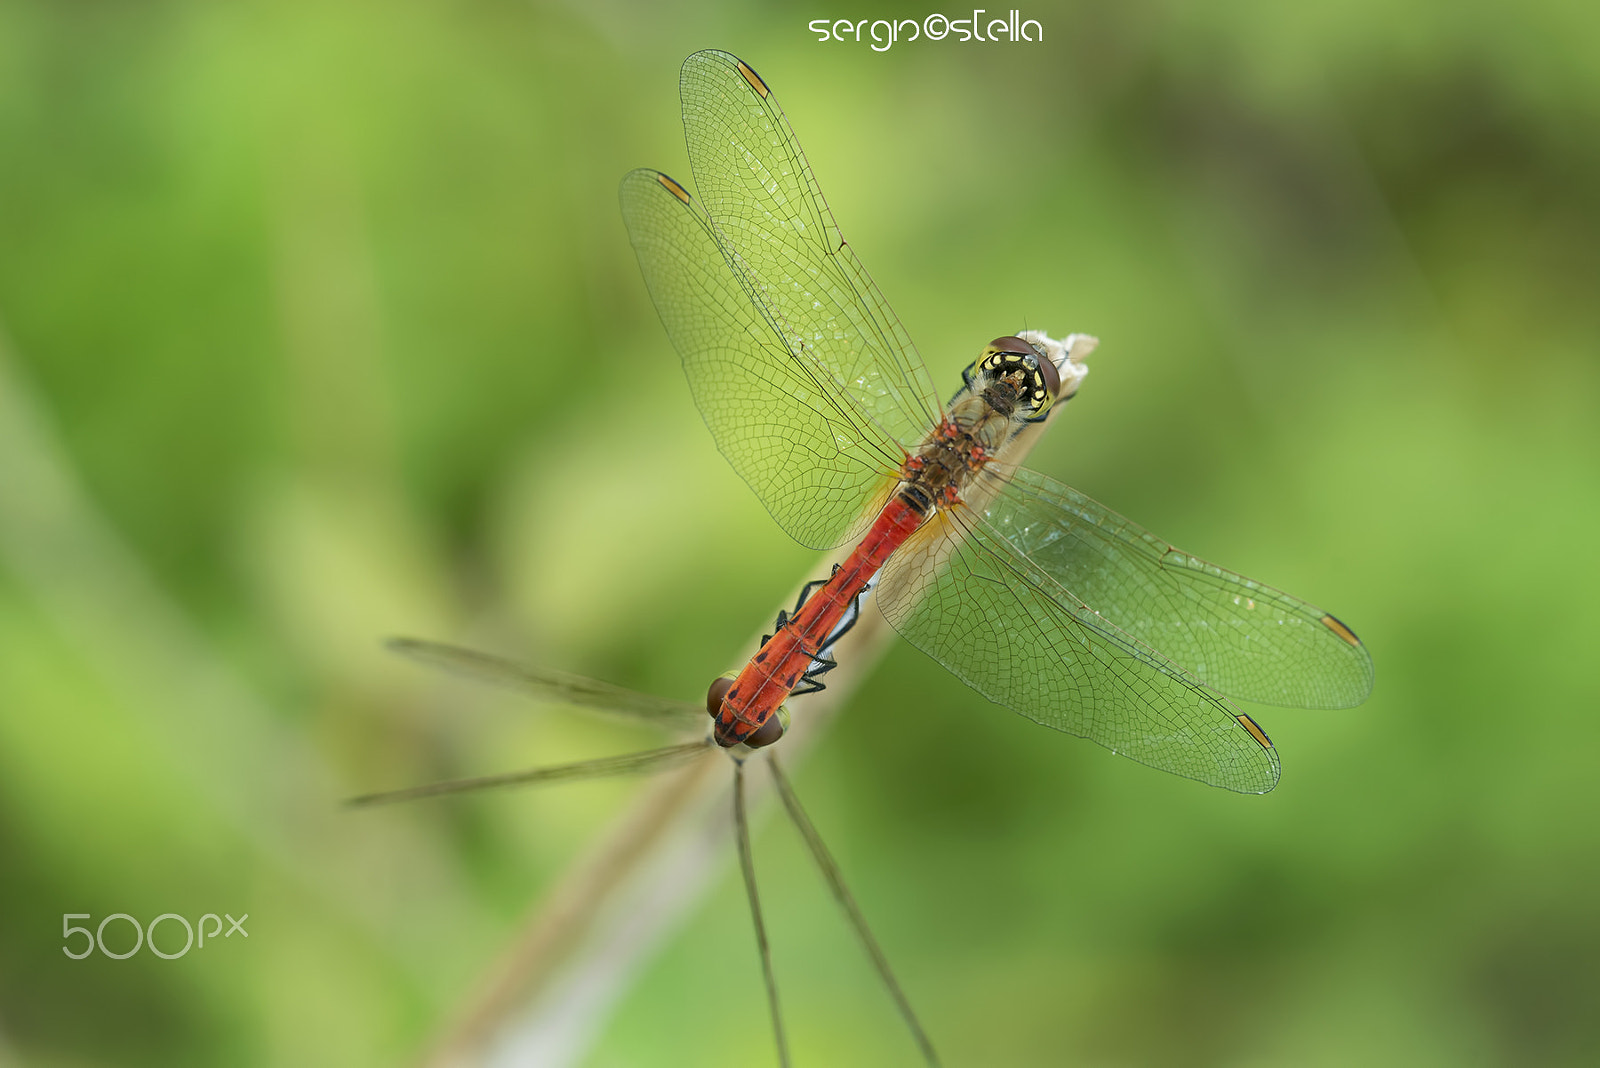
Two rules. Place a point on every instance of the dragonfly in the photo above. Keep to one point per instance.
(1036, 596)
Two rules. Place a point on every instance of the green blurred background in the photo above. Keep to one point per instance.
(320, 324)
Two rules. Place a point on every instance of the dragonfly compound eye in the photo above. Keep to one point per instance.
(1036, 377)
(718, 690)
(768, 732)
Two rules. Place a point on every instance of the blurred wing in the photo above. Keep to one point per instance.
(555, 686)
(1238, 637)
(1001, 624)
(605, 767)
(788, 431)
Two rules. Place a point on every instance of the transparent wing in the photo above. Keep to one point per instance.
(753, 178)
(1005, 627)
(605, 767)
(808, 382)
(555, 686)
(813, 461)
(1234, 635)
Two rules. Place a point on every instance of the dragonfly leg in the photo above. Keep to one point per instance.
(805, 595)
(824, 662)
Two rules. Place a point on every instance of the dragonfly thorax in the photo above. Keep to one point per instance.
(1011, 384)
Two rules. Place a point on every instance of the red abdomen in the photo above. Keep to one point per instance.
(770, 676)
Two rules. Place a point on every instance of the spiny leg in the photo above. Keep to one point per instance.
(823, 662)
(835, 880)
(805, 595)
(741, 831)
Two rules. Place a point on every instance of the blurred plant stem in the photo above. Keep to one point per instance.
(221, 736)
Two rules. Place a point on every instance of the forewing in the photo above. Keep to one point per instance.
(1001, 624)
(1236, 636)
(758, 189)
(786, 428)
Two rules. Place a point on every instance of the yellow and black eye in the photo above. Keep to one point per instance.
(1040, 379)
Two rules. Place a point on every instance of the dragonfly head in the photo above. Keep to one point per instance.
(1030, 374)
(762, 736)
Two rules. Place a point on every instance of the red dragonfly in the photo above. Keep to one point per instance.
(1034, 595)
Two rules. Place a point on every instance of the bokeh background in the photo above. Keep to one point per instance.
(320, 324)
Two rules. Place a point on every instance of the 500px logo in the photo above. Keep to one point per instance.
(143, 936)
(884, 33)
